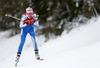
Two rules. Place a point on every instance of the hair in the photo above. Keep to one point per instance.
(29, 9)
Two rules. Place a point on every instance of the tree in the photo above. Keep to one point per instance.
(53, 14)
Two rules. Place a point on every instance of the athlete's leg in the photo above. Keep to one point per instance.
(32, 34)
(23, 37)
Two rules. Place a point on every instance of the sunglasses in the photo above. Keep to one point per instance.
(29, 13)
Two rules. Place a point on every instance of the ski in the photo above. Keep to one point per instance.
(40, 59)
(17, 60)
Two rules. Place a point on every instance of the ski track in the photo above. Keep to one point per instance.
(78, 49)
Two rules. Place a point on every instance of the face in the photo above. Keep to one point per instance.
(30, 15)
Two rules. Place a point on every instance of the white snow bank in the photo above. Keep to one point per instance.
(78, 49)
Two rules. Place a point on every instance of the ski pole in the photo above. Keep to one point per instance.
(13, 17)
(17, 18)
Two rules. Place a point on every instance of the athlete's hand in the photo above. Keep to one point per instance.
(27, 23)
(30, 22)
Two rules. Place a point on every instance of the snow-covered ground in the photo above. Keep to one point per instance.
(78, 49)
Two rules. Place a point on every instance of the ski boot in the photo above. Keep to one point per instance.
(37, 55)
(17, 58)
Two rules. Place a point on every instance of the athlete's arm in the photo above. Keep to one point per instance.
(22, 22)
(36, 23)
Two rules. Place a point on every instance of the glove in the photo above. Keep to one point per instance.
(30, 22)
(27, 23)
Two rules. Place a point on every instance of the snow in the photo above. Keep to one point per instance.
(78, 49)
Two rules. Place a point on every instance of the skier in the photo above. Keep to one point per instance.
(29, 20)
